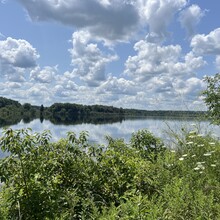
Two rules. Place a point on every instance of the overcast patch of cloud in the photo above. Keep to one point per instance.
(13, 85)
(112, 20)
(190, 18)
(107, 20)
(88, 60)
(207, 44)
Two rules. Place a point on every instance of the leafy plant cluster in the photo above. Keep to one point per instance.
(212, 97)
(142, 179)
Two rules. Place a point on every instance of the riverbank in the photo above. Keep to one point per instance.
(142, 179)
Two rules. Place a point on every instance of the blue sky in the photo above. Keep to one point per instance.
(146, 54)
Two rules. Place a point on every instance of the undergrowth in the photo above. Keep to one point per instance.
(142, 179)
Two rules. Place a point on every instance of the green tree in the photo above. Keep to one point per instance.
(27, 106)
(212, 97)
(41, 108)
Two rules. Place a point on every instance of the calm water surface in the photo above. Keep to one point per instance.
(97, 132)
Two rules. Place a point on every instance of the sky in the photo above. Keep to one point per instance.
(143, 54)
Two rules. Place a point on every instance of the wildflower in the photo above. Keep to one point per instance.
(211, 143)
(201, 145)
(173, 151)
(199, 166)
(181, 158)
(193, 155)
(213, 165)
(170, 165)
(207, 154)
(190, 142)
(184, 155)
(200, 135)
(192, 132)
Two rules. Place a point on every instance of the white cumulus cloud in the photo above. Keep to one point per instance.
(207, 44)
(190, 17)
(18, 53)
(88, 60)
(158, 14)
(153, 59)
(45, 75)
(114, 85)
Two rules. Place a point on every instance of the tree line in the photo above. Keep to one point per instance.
(11, 112)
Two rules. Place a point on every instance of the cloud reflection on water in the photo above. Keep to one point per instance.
(124, 129)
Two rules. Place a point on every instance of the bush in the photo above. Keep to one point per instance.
(71, 179)
(212, 97)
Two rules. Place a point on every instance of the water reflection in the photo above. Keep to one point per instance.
(121, 129)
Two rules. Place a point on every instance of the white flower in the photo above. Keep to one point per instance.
(211, 143)
(207, 154)
(181, 158)
(184, 155)
(200, 135)
(199, 166)
(192, 132)
(213, 165)
(193, 155)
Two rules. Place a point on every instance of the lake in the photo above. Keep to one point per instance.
(121, 129)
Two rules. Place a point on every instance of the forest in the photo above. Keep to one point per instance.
(12, 112)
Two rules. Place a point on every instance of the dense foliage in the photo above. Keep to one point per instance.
(12, 112)
(8, 102)
(142, 179)
(212, 97)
